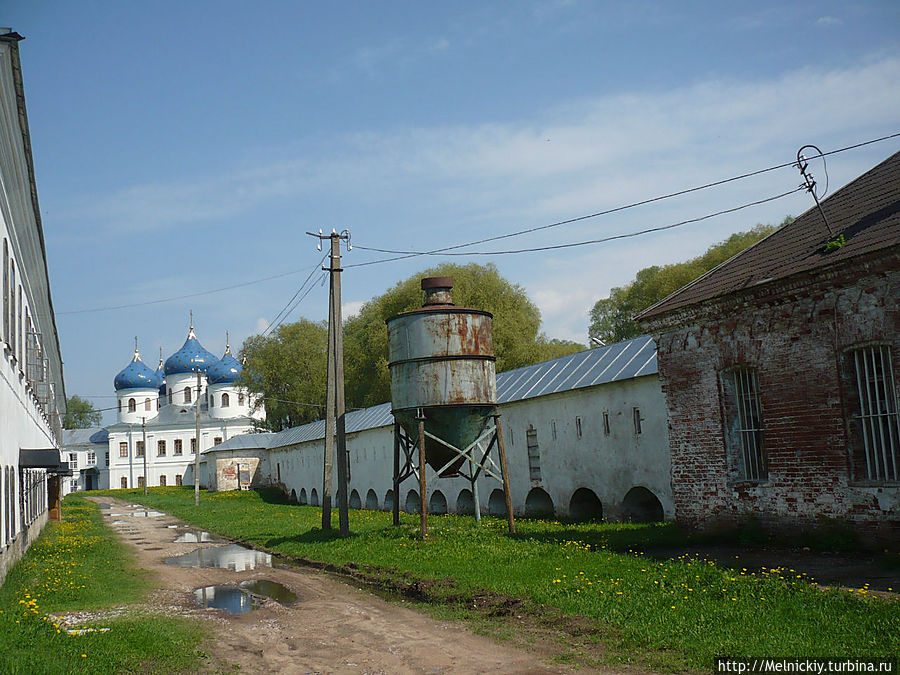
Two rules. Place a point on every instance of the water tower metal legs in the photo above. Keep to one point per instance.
(476, 459)
(395, 507)
(423, 511)
(505, 474)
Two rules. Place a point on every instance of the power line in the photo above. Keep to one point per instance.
(627, 235)
(412, 254)
(183, 297)
(284, 310)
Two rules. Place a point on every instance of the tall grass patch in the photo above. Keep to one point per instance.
(78, 565)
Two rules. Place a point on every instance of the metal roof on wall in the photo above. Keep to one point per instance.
(612, 363)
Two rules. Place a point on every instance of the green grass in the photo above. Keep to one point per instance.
(671, 614)
(77, 564)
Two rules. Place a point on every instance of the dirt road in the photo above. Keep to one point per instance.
(331, 628)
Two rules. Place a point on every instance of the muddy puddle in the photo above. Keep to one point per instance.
(245, 597)
(233, 557)
(270, 589)
(228, 598)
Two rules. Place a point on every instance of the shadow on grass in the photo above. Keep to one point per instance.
(315, 535)
(272, 495)
(611, 537)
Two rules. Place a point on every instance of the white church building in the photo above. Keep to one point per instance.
(157, 417)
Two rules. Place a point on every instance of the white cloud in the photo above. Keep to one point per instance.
(468, 181)
(828, 21)
(261, 325)
(351, 308)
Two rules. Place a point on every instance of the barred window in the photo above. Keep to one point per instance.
(744, 438)
(875, 422)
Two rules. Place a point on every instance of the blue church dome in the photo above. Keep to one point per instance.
(136, 375)
(191, 358)
(226, 371)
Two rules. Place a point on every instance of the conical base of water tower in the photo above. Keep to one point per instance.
(456, 425)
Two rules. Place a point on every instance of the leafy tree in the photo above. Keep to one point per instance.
(288, 369)
(612, 318)
(516, 327)
(80, 414)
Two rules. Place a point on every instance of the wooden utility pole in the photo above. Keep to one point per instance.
(335, 410)
(196, 447)
(144, 433)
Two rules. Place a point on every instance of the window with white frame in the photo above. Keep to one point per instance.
(744, 439)
(123, 449)
(91, 458)
(73, 485)
(178, 446)
(161, 448)
(73, 460)
(874, 416)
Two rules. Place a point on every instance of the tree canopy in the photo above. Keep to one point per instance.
(516, 327)
(288, 369)
(81, 414)
(612, 318)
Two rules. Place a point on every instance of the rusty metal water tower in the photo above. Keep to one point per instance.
(444, 396)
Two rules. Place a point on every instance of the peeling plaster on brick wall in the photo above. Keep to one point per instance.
(796, 342)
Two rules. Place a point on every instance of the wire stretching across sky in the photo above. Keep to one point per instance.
(412, 254)
(489, 239)
(288, 308)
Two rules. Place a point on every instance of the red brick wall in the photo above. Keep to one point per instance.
(796, 342)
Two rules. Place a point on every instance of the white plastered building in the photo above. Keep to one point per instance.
(157, 420)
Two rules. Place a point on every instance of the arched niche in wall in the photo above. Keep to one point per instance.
(303, 499)
(497, 503)
(585, 505)
(413, 503)
(314, 497)
(437, 503)
(389, 500)
(465, 503)
(355, 501)
(538, 504)
(642, 506)
(372, 500)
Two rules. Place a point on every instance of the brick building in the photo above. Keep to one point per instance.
(780, 370)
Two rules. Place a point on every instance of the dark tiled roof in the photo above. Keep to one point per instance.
(866, 211)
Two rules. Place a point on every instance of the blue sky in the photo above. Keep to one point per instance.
(183, 147)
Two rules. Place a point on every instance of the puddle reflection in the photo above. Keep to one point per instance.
(194, 537)
(270, 589)
(232, 557)
(229, 598)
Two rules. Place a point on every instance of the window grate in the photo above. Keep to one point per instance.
(878, 416)
(749, 424)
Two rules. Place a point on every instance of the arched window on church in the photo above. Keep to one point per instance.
(120, 405)
(187, 394)
(170, 394)
(146, 404)
(157, 404)
(240, 399)
(224, 400)
(132, 405)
